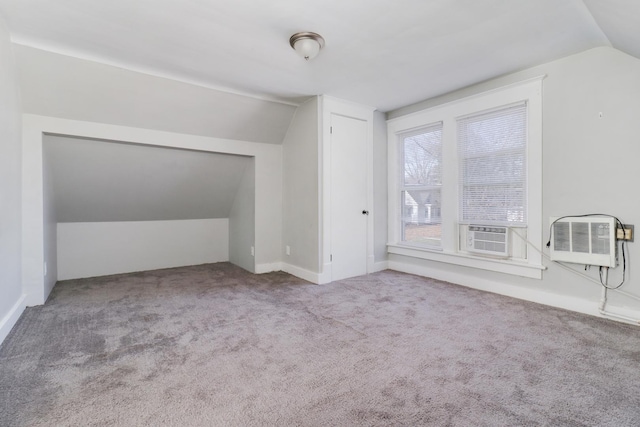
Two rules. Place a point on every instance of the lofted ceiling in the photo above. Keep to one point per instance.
(93, 181)
(379, 53)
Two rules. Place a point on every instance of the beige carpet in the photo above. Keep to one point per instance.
(212, 345)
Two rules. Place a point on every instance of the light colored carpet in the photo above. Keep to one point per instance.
(212, 345)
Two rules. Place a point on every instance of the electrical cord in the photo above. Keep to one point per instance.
(559, 263)
(623, 247)
(571, 269)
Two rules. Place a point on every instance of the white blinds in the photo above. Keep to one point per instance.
(492, 152)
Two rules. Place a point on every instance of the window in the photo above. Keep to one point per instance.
(420, 190)
(475, 161)
(492, 163)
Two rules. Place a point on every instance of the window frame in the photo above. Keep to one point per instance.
(461, 160)
(529, 91)
(403, 187)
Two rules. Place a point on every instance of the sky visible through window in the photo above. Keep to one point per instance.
(421, 195)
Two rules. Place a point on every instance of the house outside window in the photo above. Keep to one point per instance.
(471, 162)
(421, 184)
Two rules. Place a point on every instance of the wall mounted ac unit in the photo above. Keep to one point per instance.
(487, 239)
(584, 240)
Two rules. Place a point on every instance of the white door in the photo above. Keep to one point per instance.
(349, 213)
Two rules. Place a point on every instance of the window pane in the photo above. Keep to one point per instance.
(492, 152)
(422, 170)
(421, 217)
(423, 157)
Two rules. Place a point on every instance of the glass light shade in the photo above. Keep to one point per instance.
(307, 48)
(307, 44)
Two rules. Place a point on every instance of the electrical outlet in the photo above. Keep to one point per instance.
(287, 250)
(253, 251)
(625, 233)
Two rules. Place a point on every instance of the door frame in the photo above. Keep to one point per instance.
(330, 105)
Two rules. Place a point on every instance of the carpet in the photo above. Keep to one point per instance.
(213, 345)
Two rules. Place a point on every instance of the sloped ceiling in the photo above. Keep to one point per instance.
(71, 88)
(94, 181)
(379, 53)
(619, 20)
(229, 72)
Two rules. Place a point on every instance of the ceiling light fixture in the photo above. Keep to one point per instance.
(307, 44)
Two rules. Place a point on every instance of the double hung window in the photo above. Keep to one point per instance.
(465, 165)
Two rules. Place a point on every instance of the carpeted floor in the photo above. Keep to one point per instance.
(212, 345)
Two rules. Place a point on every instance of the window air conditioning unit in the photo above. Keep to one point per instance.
(584, 240)
(489, 240)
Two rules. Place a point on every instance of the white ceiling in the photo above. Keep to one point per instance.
(92, 181)
(379, 53)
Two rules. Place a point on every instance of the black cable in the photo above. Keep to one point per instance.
(622, 245)
(624, 269)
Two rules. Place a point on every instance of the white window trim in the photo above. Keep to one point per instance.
(529, 91)
(403, 187)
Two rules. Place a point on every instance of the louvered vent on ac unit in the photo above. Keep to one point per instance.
(486, 239)
(584, 240)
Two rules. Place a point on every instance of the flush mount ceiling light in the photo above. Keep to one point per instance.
(307, 44)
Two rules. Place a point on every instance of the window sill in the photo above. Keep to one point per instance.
(506, 266)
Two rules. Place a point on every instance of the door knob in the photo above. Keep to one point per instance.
(365, 212)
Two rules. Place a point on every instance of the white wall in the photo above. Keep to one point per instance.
(300, 212)
(50, 223)
(78, 89)
(102, 248)
(268, 190)
(11, 299)
(306, 187)
(242, 221)
(130, 182)
(589, 166)
(380, 213)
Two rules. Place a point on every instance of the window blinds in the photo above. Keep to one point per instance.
(492, 154)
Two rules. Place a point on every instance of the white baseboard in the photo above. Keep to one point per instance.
(268, 267)
(378, 266)
(9, 321)
(325, 276)
(579, 305)
(302, 273)
(294, 270)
